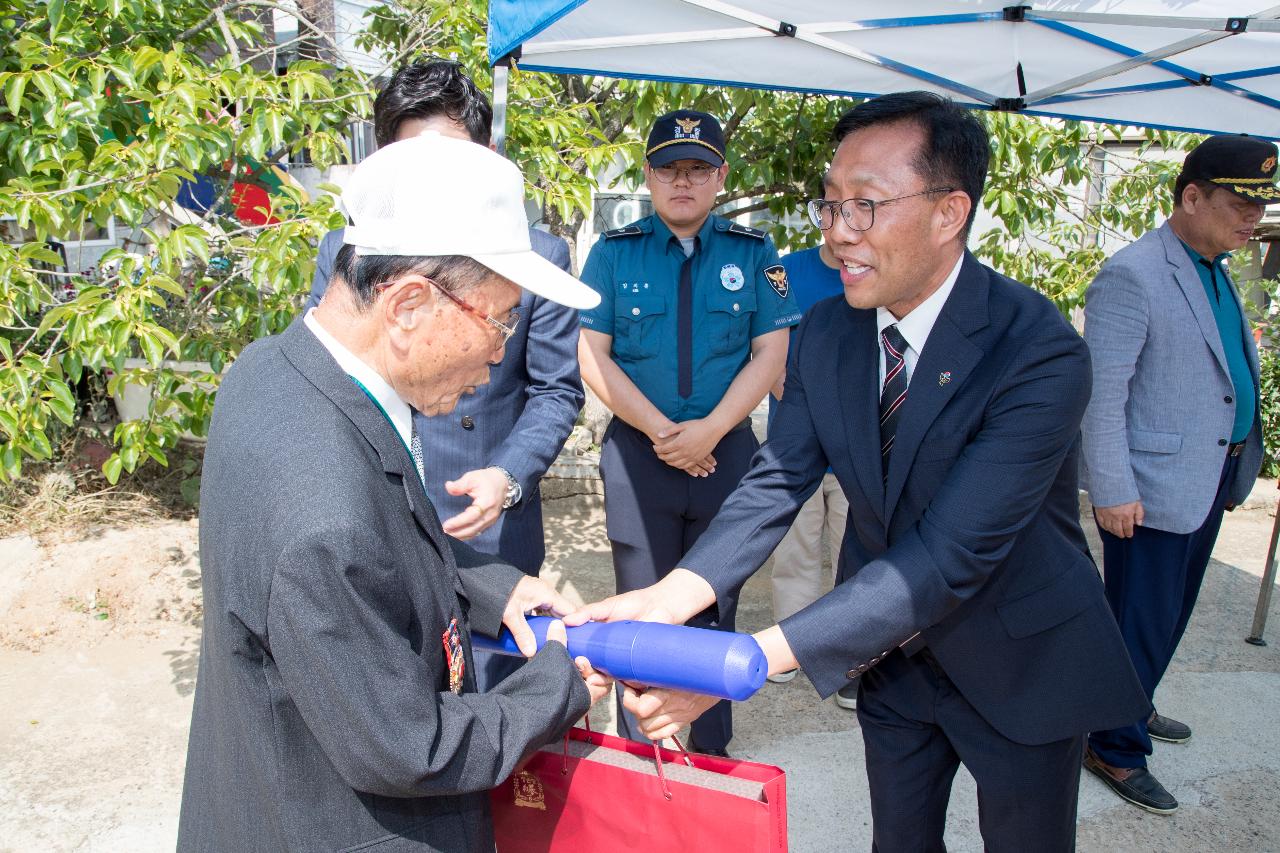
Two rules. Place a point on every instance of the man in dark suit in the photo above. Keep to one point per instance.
(336, 705)
(947, 400)
(490, 454)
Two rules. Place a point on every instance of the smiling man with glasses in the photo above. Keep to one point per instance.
(947, 401)
(690, 335)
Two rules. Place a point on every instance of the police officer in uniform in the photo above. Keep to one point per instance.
(690, 334)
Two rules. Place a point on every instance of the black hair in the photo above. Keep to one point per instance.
(363, 273)
(429, 89)
(1207, 188)
(956, 148)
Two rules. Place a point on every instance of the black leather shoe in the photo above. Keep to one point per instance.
(1168, 730)
(1138, 786)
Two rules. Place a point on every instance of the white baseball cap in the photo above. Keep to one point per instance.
(431, 195)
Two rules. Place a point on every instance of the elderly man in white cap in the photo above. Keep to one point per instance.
(336, 705)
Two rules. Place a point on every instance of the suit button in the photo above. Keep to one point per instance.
(853, 673)
(468, 422)
(1226, 399)
(1222, 442)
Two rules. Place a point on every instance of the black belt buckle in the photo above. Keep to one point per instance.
(1235, 448)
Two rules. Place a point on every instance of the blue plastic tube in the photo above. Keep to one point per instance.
(715, 663)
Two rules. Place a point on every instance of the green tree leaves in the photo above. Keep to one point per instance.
(108, 107)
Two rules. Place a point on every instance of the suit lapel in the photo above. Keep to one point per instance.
(948, 359)
(1192, 287)
(314, 362)
(858, 373)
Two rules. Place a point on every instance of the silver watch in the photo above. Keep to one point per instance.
(514, 492)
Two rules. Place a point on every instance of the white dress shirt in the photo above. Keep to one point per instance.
(916, 326)
(396, 409)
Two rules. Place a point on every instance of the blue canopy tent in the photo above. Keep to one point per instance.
(1210, 66)
(1199, 65)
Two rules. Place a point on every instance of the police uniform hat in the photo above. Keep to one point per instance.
(685, 135)
(1245, 165)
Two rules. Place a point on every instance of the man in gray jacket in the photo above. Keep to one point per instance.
(489, 455)
(1172, 436)
(336, 704)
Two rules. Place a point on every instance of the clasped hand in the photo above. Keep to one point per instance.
(688, 445)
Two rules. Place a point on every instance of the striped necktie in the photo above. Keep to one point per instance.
(894, 391)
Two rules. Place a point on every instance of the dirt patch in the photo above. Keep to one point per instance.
(114, 582)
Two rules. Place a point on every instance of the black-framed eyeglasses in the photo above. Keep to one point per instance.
(506, 330)
(697, 175)
(858, 213)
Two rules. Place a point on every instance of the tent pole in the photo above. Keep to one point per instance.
(1264, 594)
(501, 76)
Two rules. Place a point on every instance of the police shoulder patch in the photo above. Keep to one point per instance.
(777, 276)
(624, 231)
(745, 231)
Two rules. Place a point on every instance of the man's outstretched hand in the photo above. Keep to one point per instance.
(673, 600)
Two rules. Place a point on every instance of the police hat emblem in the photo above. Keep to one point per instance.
(685, 135)
(731, 277)
(777, 275)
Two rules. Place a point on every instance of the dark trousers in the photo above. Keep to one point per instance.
(1152, 582)
(654, 513)
(917, 729)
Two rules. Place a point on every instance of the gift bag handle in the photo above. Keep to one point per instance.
(657, 757)
(564, 766)
(657, 763)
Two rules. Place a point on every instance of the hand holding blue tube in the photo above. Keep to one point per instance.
(714, 663)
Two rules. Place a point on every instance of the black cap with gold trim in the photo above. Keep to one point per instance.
(1245, 165)
(685, 135)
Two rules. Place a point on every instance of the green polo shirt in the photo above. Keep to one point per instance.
(1231, 329)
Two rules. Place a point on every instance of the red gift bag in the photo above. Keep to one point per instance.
(596, 792)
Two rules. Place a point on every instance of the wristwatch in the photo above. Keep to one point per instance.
(514, 492)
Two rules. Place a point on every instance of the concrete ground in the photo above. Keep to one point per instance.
(1227, 690)
(93, 736)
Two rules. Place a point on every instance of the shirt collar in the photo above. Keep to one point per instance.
(916, 326)
(1201, 259)
(396, 409)
(669, 240)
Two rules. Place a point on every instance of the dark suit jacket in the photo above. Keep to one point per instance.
(518, 421)
(976, 542)
(323, 718)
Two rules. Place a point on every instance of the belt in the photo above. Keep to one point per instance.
(745, 423)
(1235, 448)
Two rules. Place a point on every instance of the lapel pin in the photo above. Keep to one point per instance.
(944, 377)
